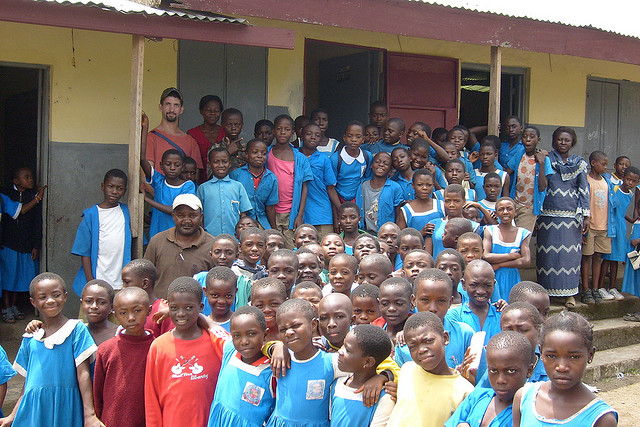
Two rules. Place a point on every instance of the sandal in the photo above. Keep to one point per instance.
(631, 317)
(570, 302)
(16, 312)
(7, 315)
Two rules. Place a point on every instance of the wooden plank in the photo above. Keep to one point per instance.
(136, 200)
(494, 90)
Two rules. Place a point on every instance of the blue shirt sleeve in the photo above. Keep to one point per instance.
(245, 203)
(6, 371)
(11, 207)
(83, 344)
(188, 188)
(548, 170)
(329, 176)
(82, 243)
(272, 198)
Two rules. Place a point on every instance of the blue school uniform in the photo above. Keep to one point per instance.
(539, 373)
(506, 153)
(491, 326)
(506, 277)
(165, 193)
(244, 395)
(87, 242)
(436, 237)
(418, 220)
(347, 408)
(408, 193)
(459, 339)
(303, 395)
(318, 210)
(470, 195)
(265, 195)
(631, 281)
(388, 148)
(11, 208)
(49, 367)
(350, 175)
(480, 182)
(389, 198)
(619, 201)
(301, 173)
(439, 177)
(473, 408)
(587, 416)
(223, 200)
(612, 179)
(538, 195)
(6, 371)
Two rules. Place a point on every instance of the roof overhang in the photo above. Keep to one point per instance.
(432, 21)
(112, 16)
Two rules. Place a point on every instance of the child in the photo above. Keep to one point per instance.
(366, 304)
(166, 186)
(395, 306)
(190, 171)
(107, 223)
(263, 130)
(470, 246)
(351, 163)
(21, 243)
(182, 365)
(433, 292)
(245, 394)
(209, 132)
(478, 312)
(275, 241)
(141, 273)
(317, 249)
(6, 373)
(252, 247)
(371, 134)
(118, 380)
(422, 150)
(488, 154)
(332, 244)
(322, 198)
(220, 293)
(532, 293)
(416, 261)
(378, 115)
(631, 281)
(232, 123)
(283, 265)
(429, 391)
(401, 163)
(299, 123)
(244, 223)
(225, 250)
(492, 187)
(458, 136)
(365, 244)
(597, 241)
(293, 171)
(408, 239)
(309, 267)
(388, 234)
(374, 269)
(55, 363)
(620, 201)
(349, 219)
(305, 234)
(224, 200)
(96, 303)
(260, 183)
(267, 295)
(528, 185)
(364, 348)
(455, 174)
(451, 262)
(506, 248)
(335, 316)
(326, 145)
(621, 165)
(342, 275)
(512, 147)
(417, 213)
(567, 348)
(509, 362)
(310, 292)
(393, 131)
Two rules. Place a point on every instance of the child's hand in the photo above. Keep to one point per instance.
(474, 156)
(467, 177)
(33, 326)
(427, 230)
(35, 253)
(371, 389)
(205, 322)
(161, 314)
(400, 339)
(391, 388)
(298, 221)
(144, 122)
(92, 421)
(280, 360)
(463, 425)
(500, 304)
(40, 193)
(468, 373)
(540, 156)
(6, 422)
(233, 146)
(471, 204)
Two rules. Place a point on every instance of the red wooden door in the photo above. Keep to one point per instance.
(423, 88)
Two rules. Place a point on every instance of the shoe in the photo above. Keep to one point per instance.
(570, 302)
(597, 297)
(587, 297)
(16, 313)
(7, 316)
(616, 294)
(604, 294)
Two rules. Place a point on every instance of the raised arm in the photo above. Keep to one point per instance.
(144, 163)
(439, 150)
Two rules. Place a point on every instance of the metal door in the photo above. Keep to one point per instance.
(602, 118)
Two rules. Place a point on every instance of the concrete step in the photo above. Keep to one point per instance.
(606, 310)
(612, 333)
(608, 363)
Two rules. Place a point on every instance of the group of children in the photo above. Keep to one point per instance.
(360, 282)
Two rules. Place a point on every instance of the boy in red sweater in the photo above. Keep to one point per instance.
(118, 380)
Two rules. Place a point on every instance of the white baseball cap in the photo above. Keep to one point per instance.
(190, 200)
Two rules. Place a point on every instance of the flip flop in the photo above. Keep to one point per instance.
(631, 317)
(7, 316)
(570, 302)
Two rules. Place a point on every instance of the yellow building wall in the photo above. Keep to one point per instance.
(90, 78)
(557, 83)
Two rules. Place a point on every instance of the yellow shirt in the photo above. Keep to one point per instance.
(425, 399)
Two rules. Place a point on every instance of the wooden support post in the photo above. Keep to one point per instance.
(495, 81)
(136, 199)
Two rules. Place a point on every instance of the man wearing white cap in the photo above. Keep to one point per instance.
(183, 250)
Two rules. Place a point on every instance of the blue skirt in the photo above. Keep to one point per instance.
(559, 252)
(17, 269)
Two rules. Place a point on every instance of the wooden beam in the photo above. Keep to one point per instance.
(494, 90)
(136, 199)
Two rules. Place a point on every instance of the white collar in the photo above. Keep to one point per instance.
(58, 337)
(346, 157)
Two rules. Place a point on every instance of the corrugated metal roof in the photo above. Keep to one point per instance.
(615, 16)
(131, 7)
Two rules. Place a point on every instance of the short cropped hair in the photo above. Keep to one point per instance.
(231, 112)
(459, 226)
(103, 284)
(521, 289)
(525, 307)
(135, 292)
(285, 117)
(433, 274)
(373, 341)
(424, 319)
(470, 236)
(347, 205)
(248, 310)
(366, 291)
(172, 152)
(570, 322)
(367, 236)
(452, 252)
(269, 282)
(252, 231)
(114, 173)
(207, 99)
(222, 273)
(454, 188)
(512, 340)
(409, 231)
(186, 284)
(381, 260)
(42, 277)
(400, 283)
(353, 262)
(225, 236)
(143, 268)
(299, 305)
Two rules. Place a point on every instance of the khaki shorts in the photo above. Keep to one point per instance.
(282, 225)
(597, 241)
(323, 230)
(525, 217)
